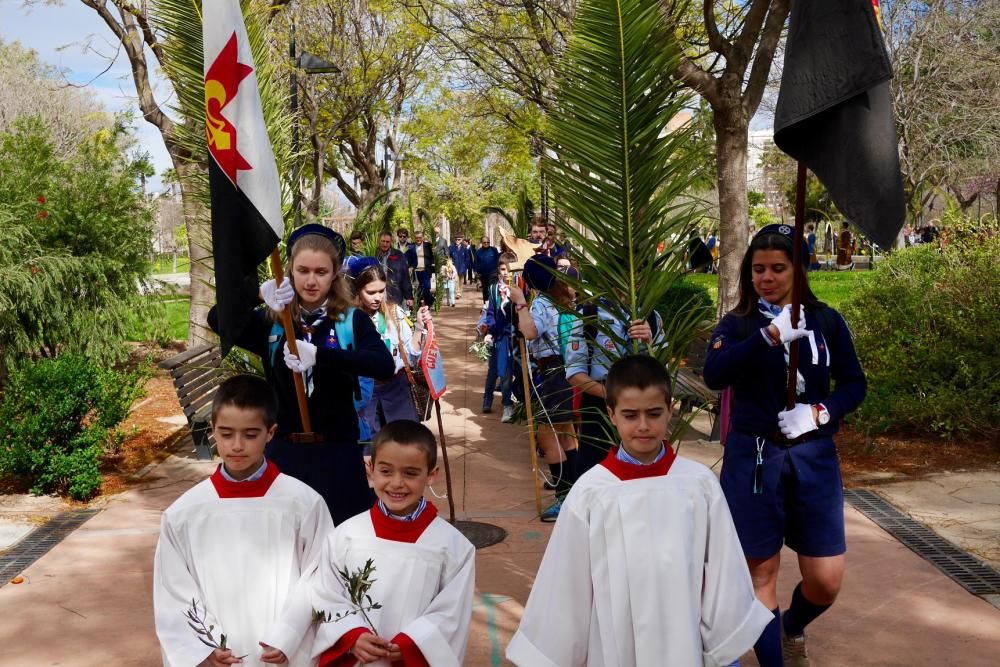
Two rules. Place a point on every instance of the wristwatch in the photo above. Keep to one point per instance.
(822, 415)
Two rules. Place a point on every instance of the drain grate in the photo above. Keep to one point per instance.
(969, 572)
(38, 542)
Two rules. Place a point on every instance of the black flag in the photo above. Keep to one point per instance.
(243, 177)
(834, 111)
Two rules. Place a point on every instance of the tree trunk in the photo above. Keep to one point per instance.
(731, 159)
(202, 271)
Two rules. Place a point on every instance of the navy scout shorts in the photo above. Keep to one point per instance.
(802, 498)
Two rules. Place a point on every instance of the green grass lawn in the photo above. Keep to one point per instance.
(169, 321)
(165, 264)
(832, 287)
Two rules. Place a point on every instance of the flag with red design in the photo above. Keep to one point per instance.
(243, 177)
(834, 111)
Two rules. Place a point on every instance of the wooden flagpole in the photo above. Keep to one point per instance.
(793, 350)
(447, 466)
(286, 321)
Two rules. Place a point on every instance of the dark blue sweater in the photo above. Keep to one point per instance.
(758, 374)
(331, 405)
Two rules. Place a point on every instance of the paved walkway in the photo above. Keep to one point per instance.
(88, 601)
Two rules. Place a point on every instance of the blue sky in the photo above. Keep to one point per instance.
(74, 39)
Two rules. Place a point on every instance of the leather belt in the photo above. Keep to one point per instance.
(779, 438)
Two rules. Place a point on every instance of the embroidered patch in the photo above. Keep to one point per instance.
(717, 344)
(609, 345)
(575, 346)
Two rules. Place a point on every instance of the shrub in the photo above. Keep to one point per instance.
(689, 297)
(57, 416)
(926, 325)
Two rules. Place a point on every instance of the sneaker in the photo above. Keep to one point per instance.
(793, 648)
(487, 409)
(552, 513)
(508, 414)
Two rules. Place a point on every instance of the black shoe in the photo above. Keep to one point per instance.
(487, 409)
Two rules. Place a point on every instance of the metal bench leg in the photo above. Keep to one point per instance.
(716, 434)
(202, 447)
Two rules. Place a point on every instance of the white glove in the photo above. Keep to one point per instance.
(488, 340)
(277, 297)
(797, 421)
(783, 322)
(305, 360)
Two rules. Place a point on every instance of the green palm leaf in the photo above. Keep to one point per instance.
(614, 168)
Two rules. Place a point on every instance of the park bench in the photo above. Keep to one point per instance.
(196, 374)
(690, 388)
(692, 392)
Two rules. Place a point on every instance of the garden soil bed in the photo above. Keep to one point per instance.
(149, 438)
(912, 456)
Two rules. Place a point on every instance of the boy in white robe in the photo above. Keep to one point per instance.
(424, 576)
(235, 547)
(644, 566)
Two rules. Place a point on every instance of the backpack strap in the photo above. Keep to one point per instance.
(274, 341)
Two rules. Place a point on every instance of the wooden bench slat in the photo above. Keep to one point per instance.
(205, 383)
(199, 365)
(179, 359)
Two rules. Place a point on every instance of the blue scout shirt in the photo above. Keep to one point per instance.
(740, 357)
(552, 327)
(595, 357)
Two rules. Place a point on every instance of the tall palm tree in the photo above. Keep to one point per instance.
(617, 171)
(524, 211)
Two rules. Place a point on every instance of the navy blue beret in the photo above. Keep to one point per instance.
(539, 272)
(313, 228)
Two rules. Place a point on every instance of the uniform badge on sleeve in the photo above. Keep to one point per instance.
(575, 345)
(717, 343)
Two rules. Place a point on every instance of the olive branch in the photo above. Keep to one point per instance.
(197, 623)
(357, 584)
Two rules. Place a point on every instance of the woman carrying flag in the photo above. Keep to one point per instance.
(337, 343)
(780, 471)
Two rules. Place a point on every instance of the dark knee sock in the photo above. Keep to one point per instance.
(801, 613)
(768, 646)
(560, 475)
(572, 466)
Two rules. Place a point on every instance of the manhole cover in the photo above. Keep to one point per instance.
(481, 534)
(970, 573)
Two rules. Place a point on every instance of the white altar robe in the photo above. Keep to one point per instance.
(241, 558)
(425, 587)
(643, 571)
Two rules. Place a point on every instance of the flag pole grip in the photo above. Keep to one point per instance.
(800, 214)
(286, 321)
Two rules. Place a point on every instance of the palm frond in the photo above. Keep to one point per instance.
(486, 210)
(613, 165)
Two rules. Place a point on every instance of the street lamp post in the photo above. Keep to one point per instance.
(309, 64)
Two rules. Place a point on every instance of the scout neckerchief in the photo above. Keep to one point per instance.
(770, 311)
(310, 320)
(378, 319)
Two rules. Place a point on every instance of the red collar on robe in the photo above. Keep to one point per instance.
(626, 471)
(255, 489)
(388, 528)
